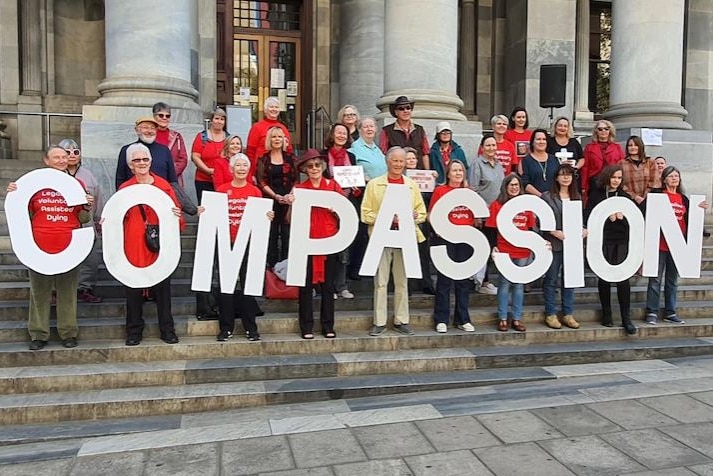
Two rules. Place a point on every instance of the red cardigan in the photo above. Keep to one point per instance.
(596, 158)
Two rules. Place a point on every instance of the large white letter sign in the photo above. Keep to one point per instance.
(595, 225)
(213, 222)
(443, 227)
(301, 245)
(113, 233)
(572, 245)
(524, 239)
(686, 252)
(396, 202)
(20, 228)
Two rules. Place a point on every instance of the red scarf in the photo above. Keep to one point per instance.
(339, 156)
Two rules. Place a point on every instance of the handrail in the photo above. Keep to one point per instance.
(46, 115)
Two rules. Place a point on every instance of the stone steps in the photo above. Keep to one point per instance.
(353, 321)
(121, 389)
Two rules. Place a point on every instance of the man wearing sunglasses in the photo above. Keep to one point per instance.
(404, 132)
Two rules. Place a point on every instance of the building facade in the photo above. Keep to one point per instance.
(639, 63)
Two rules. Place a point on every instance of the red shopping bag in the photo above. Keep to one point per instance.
(275, 288)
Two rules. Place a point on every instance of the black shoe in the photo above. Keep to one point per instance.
(607, 321)
(211, 315)
(260, 313)
(170, 338)
(429, 290)
(629, 327)
(70, 342)
(253, 337)
(38, 344)
(354, 276)
(134, 340)
(223, 336)
(706, 234)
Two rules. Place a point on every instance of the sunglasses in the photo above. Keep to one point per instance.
(140, 159)
(403, 108)
(313, 165)
(73, 152)
(602, 129)
(350, 114)
(163, 116)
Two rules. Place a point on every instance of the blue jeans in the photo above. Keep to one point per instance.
(505, 289)
(549, 287)
(670, 287)
(441, 311)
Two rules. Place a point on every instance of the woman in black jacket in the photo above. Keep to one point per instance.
(615, 245)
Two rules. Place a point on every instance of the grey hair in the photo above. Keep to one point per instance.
(160, 107)
(239, 156)
(393, 150)
(68, 144)
(134, 148)
(271, 100)
(366, 118)
(499, 117)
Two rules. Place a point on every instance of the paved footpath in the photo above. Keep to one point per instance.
(650, 417)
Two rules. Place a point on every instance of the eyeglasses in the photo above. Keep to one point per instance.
(72, 152)
(403, 108)
(313, 165)
(140, 159)
(350, 114)
(602, 129)
(445, 132)
(161, 115)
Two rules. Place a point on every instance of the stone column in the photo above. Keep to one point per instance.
(420, 60)
(466, 72)
(582, 114)
(31, 48)
(646, 33)
(148, 54)
(361, 53)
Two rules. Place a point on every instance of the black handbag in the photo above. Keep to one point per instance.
(151, 235)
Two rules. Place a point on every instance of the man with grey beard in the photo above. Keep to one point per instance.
(162, 161)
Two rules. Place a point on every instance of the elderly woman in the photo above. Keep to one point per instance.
(206, 149)
(505, 150)
(170, 138)
(320, 269)
(238, 191)
(443, 150)
(458, 252)
(673, 190)
(256, 146)
(89, 269)
(137, 252)
(349, 116)
(602, 151)
(53, 233)
(222, 173)
(275, 177)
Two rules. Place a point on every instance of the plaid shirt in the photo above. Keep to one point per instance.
(639, 177)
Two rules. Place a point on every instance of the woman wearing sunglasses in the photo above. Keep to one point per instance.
(602, 151)
(170, 138)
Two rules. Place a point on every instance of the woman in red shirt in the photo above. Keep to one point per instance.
(238, 191)
(459, 252)
(518, 133)
(221, 167)
(52, 224)
(138, 157)
(206, 149)
(602, 151)
(320, 269)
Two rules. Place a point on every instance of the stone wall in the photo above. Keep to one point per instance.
(698, 87)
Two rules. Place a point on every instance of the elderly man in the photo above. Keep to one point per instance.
(373, 197)
(405, 133)
(162, 163)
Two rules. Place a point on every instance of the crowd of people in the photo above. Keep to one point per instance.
(511, 161)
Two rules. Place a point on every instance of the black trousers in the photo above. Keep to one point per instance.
(135, 304)
(326, 311)
(239, 304)
(615, 253)
(279, 236)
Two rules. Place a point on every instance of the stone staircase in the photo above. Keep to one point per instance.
(104, 379)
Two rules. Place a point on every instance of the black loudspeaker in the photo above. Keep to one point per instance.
(553, 85)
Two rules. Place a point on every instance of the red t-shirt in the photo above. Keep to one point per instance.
(52, 220)
(521, 141)
(460, 215)
(162, 137)
(679, 209)
(523, 221)
(399, 180)
(506, 156)
(209, 152)
(237, 201)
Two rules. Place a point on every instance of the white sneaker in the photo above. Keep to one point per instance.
(314, 292)
(467, 327)
(336, 296)
(347, 294)
(488, 288)
(441, 328)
